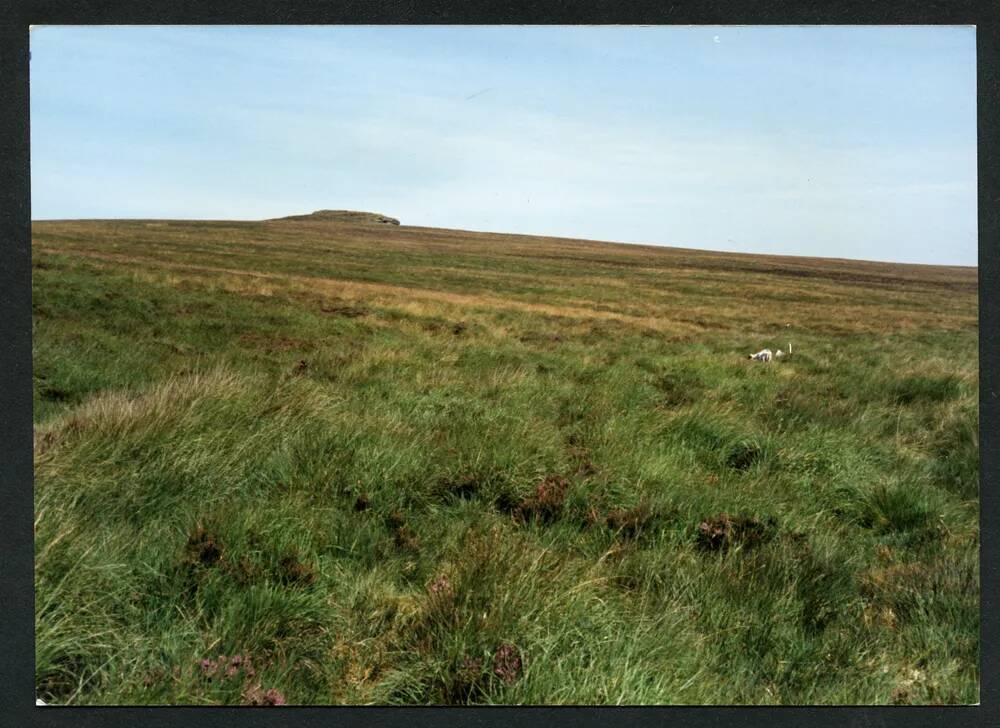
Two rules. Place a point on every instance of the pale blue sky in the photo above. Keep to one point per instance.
(846, 142)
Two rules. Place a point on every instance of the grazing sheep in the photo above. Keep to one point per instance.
(765, 355)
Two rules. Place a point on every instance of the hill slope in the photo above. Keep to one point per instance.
(391, 464)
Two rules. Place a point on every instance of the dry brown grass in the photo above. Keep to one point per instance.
(667, 290)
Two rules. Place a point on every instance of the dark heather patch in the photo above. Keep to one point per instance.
(797, 542)
(591, 517)
(292, 572)
(62, 679)
(395, 519)
(402, 535)
(301, 367)
(507, 663)
(581, 457)
(900, 696)
(506, 503)
(203, 548)
(743, 455)
(405, 539)
(546, 504)
(630, 523)
(244, 571)
(721, 532)
(466, 682)
(153, 677)
(222, 669)
(256, 695)
(345, 310)
(440, 587)
(54, 394)
(464, 485)
(459, 328)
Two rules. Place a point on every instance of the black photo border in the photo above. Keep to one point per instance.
(16, 503)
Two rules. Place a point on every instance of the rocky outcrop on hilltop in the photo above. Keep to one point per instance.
(349, 216)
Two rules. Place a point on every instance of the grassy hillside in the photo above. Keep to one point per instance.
(307, 461)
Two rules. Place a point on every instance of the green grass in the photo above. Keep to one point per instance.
(398, 465)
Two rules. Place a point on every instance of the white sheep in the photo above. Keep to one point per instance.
(765, 355)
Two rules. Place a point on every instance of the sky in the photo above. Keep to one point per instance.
(847, 142)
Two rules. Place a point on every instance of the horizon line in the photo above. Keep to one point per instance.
(517, 234)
